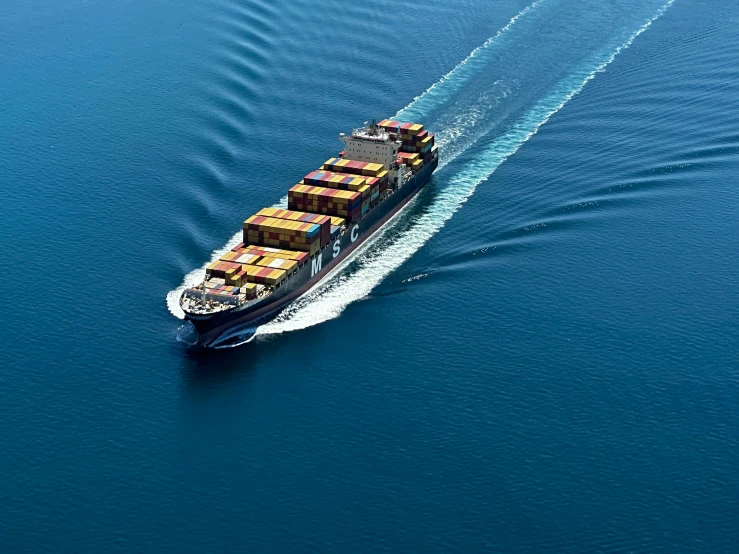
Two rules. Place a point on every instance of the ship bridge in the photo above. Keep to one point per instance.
(371, 144)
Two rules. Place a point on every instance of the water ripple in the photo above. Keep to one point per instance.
(330, 299)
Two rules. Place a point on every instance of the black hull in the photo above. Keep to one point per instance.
(251, 316)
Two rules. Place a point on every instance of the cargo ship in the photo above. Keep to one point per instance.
(330, 213)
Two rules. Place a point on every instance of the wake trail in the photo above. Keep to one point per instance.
(329, 300)
(433, 96)
(481, 103)
(439, 93)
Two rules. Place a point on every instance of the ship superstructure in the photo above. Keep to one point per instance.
(330, 212)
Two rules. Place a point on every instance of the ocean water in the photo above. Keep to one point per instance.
(541, 354)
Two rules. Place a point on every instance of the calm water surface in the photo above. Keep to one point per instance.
(540, 355)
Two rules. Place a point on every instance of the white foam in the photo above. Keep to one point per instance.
(425, 100)
(196, 275)
(331, 299)
(380, 255)
(442, 89)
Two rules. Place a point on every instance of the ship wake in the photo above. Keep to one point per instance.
(384, 255)
(482, 111)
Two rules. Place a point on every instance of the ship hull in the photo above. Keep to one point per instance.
(249, 317)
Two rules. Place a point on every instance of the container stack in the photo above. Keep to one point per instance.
(330, 179)
(228, 290)
(250, 290)
(411, 160)
(219, 268)
(237, 277)
(270, 231)
(289, 266)
(370, 192)
(245, 266)
(420, 144)
(265, 275)
(266, 251)
(291, 215)
(415, 139)
(327, 201)
(336, 224)
(401, 128)
(345, 181)
(255, 274)
(367, 169)
(277, 242)
(234, 275)
(239, 257)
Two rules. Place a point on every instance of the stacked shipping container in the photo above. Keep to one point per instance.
(345, 181)
(245, 265)
(333, 180)
(296, 235)
(333, 202)
(277, 242)
(288, 266)
(238, 275)
(239, 257)
(266, 251)
(411, 160)
(291, 215)
(415, 140)
(249, 290)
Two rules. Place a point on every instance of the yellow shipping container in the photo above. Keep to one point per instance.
(279, 253)
(279, 263)
(280, 213)
(339, 181)
(275, 277)
(268, 212)
(274, 225)
(257, 274)
(339, 165)
(250, 290)
(246, 258)
(314, 193)
(338, 221)
(372, 169)
(365, 191)
(336, 163)
(235, 280)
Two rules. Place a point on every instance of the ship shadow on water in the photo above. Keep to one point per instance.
(206, 368)
(210, 369)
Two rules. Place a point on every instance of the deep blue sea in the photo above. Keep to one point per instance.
(540, 355)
